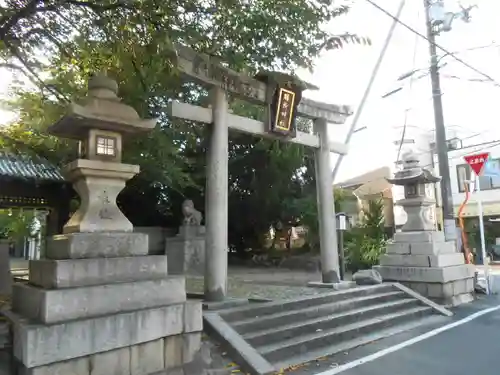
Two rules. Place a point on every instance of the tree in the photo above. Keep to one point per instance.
(366, 243)
(57, 44)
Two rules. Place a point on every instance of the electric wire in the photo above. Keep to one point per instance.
(490, 145)
(438, 46)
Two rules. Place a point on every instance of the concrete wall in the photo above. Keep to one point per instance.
(157, 237)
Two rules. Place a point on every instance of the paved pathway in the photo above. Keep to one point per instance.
(266, 283)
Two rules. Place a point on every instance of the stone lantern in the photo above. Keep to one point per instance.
(419, 257)
(416, 204)
(99, 303)
(99, 122)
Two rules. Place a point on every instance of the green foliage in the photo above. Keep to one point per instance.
(58, 43)
(305, 210)
(366, 243)
(16, 224)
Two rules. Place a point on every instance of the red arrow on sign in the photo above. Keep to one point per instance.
(477, 161)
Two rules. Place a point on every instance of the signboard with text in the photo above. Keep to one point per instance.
(283, 111)
(477, 162)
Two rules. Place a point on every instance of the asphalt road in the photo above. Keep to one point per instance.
(468, 348)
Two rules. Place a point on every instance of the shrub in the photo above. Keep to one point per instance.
(366, 243)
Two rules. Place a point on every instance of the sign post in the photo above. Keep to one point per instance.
(341, 227)
(476, 163)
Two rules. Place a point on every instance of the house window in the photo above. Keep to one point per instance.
(486, 182)
(105, 146)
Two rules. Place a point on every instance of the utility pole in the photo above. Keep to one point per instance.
(449, 226)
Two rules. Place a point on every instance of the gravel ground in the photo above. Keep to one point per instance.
(241, 289)
(265, 283)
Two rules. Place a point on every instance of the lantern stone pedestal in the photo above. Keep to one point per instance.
(419, 257)
(98, 304)
(186, 251)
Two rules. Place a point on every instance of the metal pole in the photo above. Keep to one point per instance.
(481, 234)
(368, 88)
(449, 226)
(341, 253)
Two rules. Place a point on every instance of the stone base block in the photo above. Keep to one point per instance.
(433, 248)
(458, 300)
(421, 248)
(95, 245)
(78, 366)
(448, 294)
(186, 255)
(71, 273)
(39, 344)
(142, 359)
(419, 236)
(426, 274)
(397, 248)
(59, 305)
(407, 260)
(193, 316)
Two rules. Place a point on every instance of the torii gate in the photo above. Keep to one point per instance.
(284, 101)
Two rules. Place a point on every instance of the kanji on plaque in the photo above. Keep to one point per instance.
(477, 162)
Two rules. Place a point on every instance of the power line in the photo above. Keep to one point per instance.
(492, 44)
(488, 146)
(447, 52)
(475, 80)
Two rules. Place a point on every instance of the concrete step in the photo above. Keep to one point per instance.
(264, 338)
(259, 323)
(296, 346)
(303, 327)
(348, 345)
(247, 312)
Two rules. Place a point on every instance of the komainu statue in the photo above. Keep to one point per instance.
(192, 217)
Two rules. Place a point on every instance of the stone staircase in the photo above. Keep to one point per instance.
(266, 337)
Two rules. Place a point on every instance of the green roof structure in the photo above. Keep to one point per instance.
(28, 167)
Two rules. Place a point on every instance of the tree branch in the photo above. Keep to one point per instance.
(8, 22)
(33, 76)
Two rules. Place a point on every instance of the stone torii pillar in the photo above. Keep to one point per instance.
(268, 89)
(326, 207)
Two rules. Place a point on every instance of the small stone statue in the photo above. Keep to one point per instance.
(192, 217)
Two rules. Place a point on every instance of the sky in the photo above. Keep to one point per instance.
(469, 107)
(342, 75)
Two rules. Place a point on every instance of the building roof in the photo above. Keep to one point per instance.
(355, 182)
(30, 167)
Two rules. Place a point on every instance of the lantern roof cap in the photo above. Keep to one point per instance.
(412, 172)
(100, 109)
